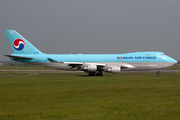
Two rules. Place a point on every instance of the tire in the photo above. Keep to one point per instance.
(158, 74)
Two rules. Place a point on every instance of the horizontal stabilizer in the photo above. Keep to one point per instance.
(18, 57)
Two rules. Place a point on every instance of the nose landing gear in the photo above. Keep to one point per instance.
(158, 73)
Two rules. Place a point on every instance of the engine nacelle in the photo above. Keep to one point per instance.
(114, 70)
(90, 68)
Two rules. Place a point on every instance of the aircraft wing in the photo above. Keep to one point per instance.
(78, 64)
(126, 66)
(81, 65)
(74, 64)
(100, 67)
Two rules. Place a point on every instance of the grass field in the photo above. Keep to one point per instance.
(76, 96)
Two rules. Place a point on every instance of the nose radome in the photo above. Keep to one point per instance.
(172, 60)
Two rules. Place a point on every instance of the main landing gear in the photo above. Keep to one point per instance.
(91, 74)
(158, 73)
(97, 74)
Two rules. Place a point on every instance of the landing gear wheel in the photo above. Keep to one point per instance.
(99, 74)
(91, 74)
(157, 74)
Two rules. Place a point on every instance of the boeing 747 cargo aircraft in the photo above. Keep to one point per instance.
(93, 64)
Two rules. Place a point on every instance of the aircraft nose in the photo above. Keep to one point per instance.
(172, 60)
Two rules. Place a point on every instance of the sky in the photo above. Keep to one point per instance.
(93, 26)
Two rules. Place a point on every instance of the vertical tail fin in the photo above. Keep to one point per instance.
(19, 44)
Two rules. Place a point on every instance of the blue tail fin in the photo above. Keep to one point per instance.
(19, 44)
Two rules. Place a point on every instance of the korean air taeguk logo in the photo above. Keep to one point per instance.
(19, 44)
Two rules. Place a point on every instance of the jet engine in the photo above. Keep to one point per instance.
(90, 68)
(114, 70)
